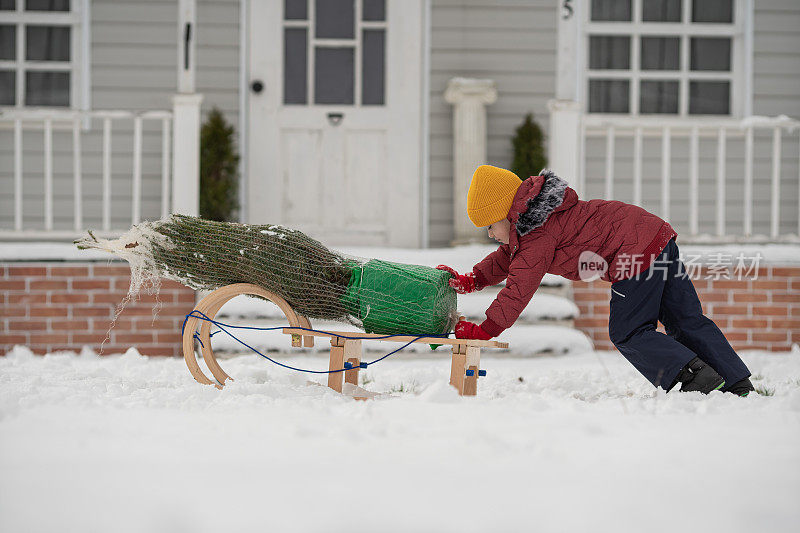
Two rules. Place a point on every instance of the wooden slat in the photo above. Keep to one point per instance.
(398, 338)
(335, 379)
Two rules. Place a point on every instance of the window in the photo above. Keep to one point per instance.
(334, 52)
(42, 58)
(665, 57)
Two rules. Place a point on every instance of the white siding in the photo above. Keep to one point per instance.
(134, 57)
(776, 91)
(510, 41)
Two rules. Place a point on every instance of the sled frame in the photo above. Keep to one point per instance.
(464, 369)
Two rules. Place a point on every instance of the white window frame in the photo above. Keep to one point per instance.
(79, 65)
(740, 75)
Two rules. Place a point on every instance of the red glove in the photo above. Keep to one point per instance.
(468, 330)
(462, 283)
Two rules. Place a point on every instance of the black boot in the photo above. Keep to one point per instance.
(742, 388)
(698, 376)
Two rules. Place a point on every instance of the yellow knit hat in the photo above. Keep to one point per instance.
(491, 194)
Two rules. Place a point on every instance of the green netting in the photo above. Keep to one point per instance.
(377, 296)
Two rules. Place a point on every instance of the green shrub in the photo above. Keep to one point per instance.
(219, 178)
(529, 154)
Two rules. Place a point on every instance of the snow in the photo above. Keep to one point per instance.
(462, 258)
(571, 443)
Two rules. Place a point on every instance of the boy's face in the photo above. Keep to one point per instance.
(499, 230)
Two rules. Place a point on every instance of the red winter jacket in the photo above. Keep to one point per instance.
(550, 228)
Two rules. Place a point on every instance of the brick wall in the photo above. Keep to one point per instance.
(50, 306)
(757, 312)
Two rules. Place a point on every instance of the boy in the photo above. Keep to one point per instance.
(545, 228)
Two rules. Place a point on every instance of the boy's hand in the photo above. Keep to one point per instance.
(468, 330)
(462, 283)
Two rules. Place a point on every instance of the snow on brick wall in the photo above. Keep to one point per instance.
(50, 306)
(756, 312)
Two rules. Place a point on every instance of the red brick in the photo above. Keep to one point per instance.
(26, 271)
(718, 309)
(185, 296)
(106, 298)
(13, 310)
(172, 337)
(735, 335)
(748, 323)
(770, 310)
(785, 323)
(169, 284)
(25, 325)
(13, 339)
(69, 298)
(48, 285)
(772, 284)
(728, 284)
(88, 338)
(49, 338)
(16, 285)
(769, 336)
(26, 298)
(133, 338)
(121, 284)
(105, 311)
(3, 271)
(714, 296)
(48, 311)
(786, 272)
(57, 271)
(590, 297)
(788, 297)
(88, 285)
(72, 325)
(160, 324)
(111, 270)
(602, 310)
(750, 297)
(160, 351)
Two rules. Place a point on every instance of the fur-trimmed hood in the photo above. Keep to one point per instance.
(537, 198)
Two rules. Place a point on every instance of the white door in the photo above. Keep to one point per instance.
(335, 118)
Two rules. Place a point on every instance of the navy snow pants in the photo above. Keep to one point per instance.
(664, 292)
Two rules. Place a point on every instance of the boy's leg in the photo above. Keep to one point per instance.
(635, 306)
(683, 318)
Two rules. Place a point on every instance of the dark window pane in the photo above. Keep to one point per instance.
(609, 96)
(8, 42)
(374, 10)
(333, 75)
(608, 10)
(295, 9)
(295, 63)
(373, 67)
(660, 53)
(335, 19)
(606, 52)
(709, 98)
(658, 97)
(47, 43)
(47, 5)
(8, 82)
(7, 4)
(711, 53)
(47, 88)
(712, 11)
(661, 11)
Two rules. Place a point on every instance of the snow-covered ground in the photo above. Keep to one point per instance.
(571, 443)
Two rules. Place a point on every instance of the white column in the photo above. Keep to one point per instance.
(564, 148)
(186, 153)
(469, 98)
(187, 14)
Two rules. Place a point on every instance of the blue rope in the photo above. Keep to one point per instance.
(221, 325)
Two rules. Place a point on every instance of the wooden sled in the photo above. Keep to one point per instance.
(464, 370)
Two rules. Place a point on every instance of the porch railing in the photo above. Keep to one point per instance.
(72, 124)
(719, 133)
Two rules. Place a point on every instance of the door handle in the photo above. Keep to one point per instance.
(335, 118)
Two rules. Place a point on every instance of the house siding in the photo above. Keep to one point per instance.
(510, 41)
(776, 91)
(133, 68)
